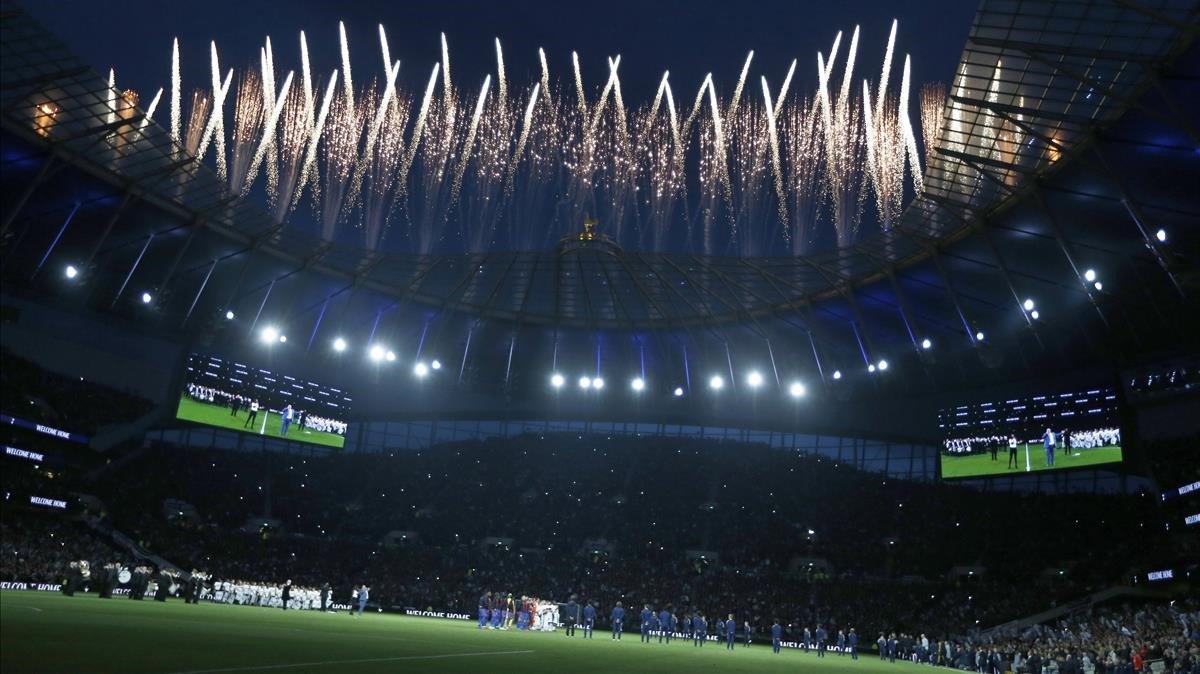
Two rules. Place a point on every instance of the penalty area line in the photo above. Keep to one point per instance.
(323, 663)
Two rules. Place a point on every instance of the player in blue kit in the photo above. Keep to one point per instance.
(485, 606)
(730, 631)
(644, 627)
(852, 641)
(589, 620)
(618, 621)
(776, 636)
(664, 625)
(700, 630)
(821, 635)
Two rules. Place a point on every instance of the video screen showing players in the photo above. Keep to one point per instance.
(232, 395)
(1058, 431)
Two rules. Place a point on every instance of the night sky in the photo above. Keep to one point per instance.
(687, 38)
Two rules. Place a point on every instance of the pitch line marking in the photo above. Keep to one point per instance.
(321, 663)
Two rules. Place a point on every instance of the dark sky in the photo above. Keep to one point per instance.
(687, 38)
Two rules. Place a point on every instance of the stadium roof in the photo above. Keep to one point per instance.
(1067, 143)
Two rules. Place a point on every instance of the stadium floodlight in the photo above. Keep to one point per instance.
(1089, 275)
(421, 370)
(871, 367)
(796, 390)
(926, 344)
(597, 383)
(883, 364)
(678, 391)
(283, 339)
(1161, 235)
(638, 384)
(979, 336)
(339, 344)
(557, 380)
(390, 356)
(229, 315)
(147, 298)
(436, 364)
(837, 374)
(1035, 314)
(1098, 285)
(754, 379)
(1028, 304)
(71, 271)
(585, 382)
(716, 383)
(376, 353)
(269, 334)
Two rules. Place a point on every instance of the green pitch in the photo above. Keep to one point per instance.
(45, 632)
(266, 423)
(976, 465)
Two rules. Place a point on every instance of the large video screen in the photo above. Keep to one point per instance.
(228, 394)
(1058, 431)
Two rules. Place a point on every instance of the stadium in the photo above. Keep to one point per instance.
(651, 337)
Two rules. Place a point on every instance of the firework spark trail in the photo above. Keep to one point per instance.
(368, 150)
(470, 142)
(737, 90)
(310, 155)
(526, 122)
(218, 113)
(176, 93)
(197, 122)
(271, 150)
(384, 50)
(783, 90)
(347, 81)
(150, 110)
(704, 86)
(110, 98)
(604, 93)
(205, 107)
(306, 80)
(419, 128)
(268, 138)
(887, 69)
(580, 96)
(501, 77)
(545, 74)
(780, 192)
(933, 106)
(910, 141)
(847, 77)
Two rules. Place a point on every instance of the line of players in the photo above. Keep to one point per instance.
(500, 612)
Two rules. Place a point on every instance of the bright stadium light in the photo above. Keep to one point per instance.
(1098, 285)
(716, 383)
(754, 379)
(436, 364)
(638, 384)
(339, 344)
(979, 336)
(1161, 235)
(597, 383)
(678, 391)
(871, 367)
(269, 334)
(390, 356)
(376, 353)
(1089, 275)
(283, 339)
(837, 374)
(71, 271)
(796, 390)
(926, 344)
(421, 370)
(585, 382)
(1035, 314)
(883, 364)
(1028, 304)
(557, 380)
(147, 298)
(229, 315)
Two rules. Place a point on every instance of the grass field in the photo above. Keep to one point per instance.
(46, 632)
(266, 423)
(975, 465)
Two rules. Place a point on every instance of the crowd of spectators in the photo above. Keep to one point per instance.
(32, 392)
